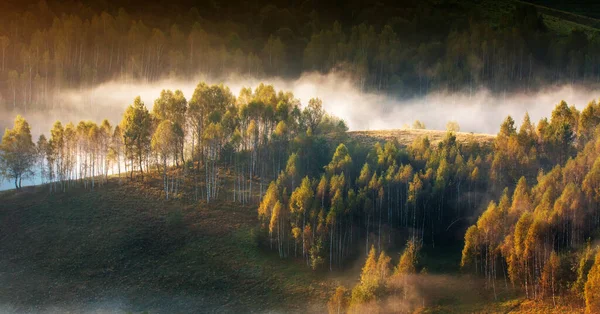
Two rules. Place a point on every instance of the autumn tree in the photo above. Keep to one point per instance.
(338, 302)
(409, 259)
(372, 278)
(550, 275)
(164, 143)
(300, 203)
(592, 288)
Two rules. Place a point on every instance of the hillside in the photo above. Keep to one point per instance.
(406, 136)
(121, 248)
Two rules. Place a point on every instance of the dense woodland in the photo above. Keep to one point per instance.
(405, 48)
(325, 199)
(538, 237)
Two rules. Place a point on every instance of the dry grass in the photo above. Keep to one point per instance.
(406, 136)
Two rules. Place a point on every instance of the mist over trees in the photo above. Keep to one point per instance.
(408, 49)
(324, 198)
(519, 213)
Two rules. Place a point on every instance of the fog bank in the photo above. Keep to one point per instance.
(479, 111)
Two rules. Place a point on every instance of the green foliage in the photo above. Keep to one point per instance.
(584, 264)
(136, 128)
(316, 259)
(17, 152)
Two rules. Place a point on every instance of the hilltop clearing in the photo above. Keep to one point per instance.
(406, 136)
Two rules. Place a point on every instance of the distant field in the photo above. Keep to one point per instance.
(565, 17)
(406, 136)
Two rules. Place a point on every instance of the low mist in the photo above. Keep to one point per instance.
(478, 111)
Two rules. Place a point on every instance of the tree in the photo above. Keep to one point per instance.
(268, 201)
(452, 126)
(13, 82)
(300, 202)
(366, 290)
(470, 250)
(117, 147)
(206, 109)
(172, 106)
(17, 152)
(275, 53)
(507, 128)
(313, 114)
(584, 265)
(550, 274)
(41, 151)
(135, 125)
(418, 125)
(409, 259)
(591, 183)
(340, 161)
(164, 143)
(4, 42)
(592, 288)
(213, 138)
(338, 302)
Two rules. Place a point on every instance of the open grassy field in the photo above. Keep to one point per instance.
(406, 136)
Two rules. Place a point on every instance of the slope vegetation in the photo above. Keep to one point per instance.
(120, 248)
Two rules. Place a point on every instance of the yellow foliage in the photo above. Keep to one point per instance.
(338, 302)
(409, 259)
(592, 288)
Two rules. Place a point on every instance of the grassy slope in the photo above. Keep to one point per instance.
(121, 246)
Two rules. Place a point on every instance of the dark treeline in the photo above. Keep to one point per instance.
(407, 48)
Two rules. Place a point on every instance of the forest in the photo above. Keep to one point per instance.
(234, 198)
(525, 204)
(407, 49)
